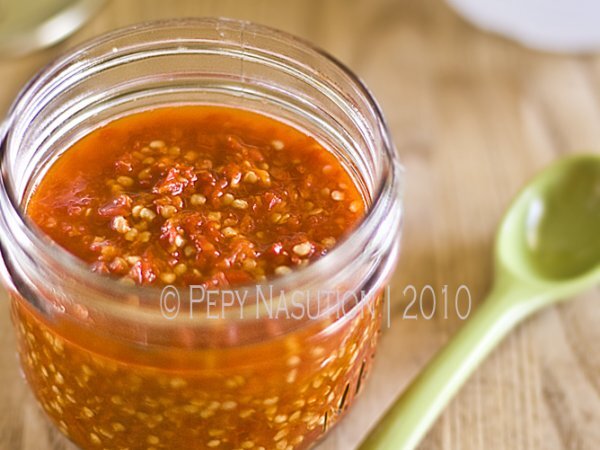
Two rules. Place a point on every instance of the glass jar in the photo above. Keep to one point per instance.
(116, 366)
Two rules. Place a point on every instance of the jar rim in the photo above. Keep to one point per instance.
(386, 193)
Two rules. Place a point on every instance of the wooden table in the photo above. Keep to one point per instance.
(473, 116)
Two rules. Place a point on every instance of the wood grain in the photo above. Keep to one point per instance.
(473, 117)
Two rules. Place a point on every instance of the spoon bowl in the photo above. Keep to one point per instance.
(547, 249)
(551, 234)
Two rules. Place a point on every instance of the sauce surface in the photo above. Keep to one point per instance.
(201, 195)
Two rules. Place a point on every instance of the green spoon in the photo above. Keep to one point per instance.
(547, 249)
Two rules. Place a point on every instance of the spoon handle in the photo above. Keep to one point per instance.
(407, 421)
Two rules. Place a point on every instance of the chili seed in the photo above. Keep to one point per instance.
(180, 269)
(280, 419)
(179, 241)
(249, 264)
(197, 199)
(302, 249)
(291, 376)
(293, 361)
(147, 214)
(354, 206)
(125, 181)
(214, 216)
(167, 277)
(329, 242)
(229, 405)
(283, 270)
(145, 174)
(277, 144)
(239, 204)
(168, 211)
(337, 196)
(131, 234)
(250, 177)
(270, 401)
(120, 224)
(215, 433)
(228, 199)
(229, 232)
(246, 413)
(264, 177)
(95, 439)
